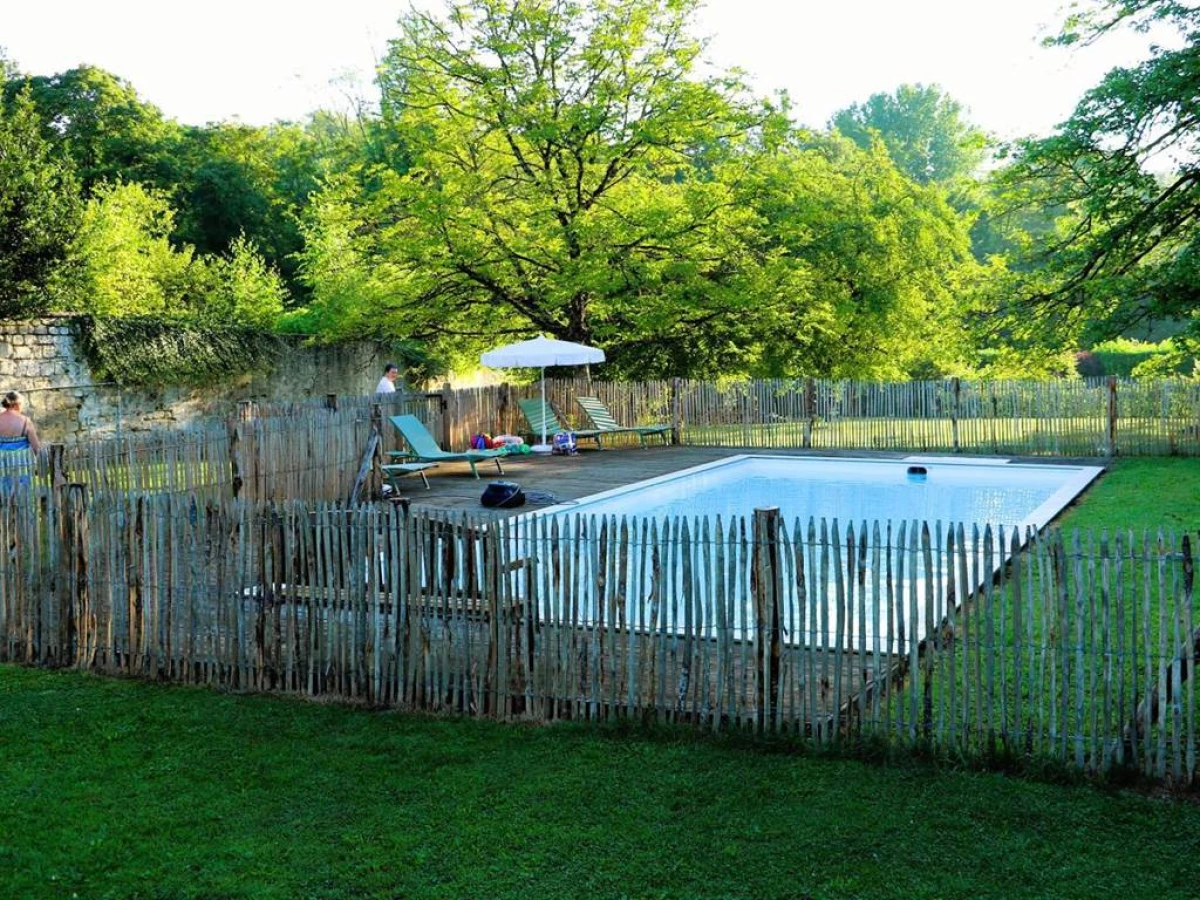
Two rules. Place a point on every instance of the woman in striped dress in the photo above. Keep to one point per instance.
(18, 442)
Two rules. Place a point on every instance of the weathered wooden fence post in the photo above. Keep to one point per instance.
(76, 616)
(746, 414)
(56, 460)
(370, 469)
(237, 469)
(676, 411)
(1110, 441)
(767, 586)
(810, 411)
(504, 412)
(956, 393)
(447, 416)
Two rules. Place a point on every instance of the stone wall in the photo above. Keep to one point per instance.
(42, 360)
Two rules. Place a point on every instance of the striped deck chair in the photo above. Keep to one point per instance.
(543, 420)
(604, 423)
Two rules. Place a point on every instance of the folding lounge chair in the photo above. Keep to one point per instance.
(604, 422)
(543, 420)
(425, 449)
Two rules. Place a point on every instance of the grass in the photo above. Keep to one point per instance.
(1139, 494)
(122, 789)
(115, 788)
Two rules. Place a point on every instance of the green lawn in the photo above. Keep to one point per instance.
(1139, 494)
(112, 788)
(121, 789)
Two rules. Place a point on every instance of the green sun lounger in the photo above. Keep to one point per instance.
(604, 422)
(425, 449)
(543, 420)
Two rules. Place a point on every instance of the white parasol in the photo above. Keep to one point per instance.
(537, 354)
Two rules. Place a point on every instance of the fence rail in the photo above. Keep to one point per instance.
(1091, 417)
(1078, 648)
(330, 448)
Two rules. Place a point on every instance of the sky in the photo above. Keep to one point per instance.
(258, 61)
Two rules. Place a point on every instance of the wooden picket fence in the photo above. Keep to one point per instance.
(1087, 417)
(272, 451)
(1076, 648)
(331, 448)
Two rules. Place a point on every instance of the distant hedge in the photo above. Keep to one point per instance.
(1121, 357)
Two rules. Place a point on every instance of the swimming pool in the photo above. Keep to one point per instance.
(983, 492)
(708, 569)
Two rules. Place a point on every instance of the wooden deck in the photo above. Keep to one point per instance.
(451, 487)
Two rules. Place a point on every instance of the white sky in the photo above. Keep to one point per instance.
(262, 60)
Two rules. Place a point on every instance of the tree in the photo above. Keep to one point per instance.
(244, 290)
(98, 119)
(239, 180)
(122, 261)
(1125, 167)
(554, 183)
(922, 128)
(868, 272)
(39, 210)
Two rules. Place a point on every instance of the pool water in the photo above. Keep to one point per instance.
(850, 490)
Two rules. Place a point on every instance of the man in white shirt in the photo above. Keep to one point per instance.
(387, 384)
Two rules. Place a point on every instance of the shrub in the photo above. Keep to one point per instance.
(1089, 365)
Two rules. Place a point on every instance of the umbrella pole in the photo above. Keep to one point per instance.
(543, 406)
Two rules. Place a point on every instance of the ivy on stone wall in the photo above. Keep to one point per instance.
(149, 351)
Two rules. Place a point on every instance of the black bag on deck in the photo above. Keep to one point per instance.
(503, 495)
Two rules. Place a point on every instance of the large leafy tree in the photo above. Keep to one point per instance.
(563, 169)
(562, 173)
(99, 119)
(39, 209)
(223, 180)
(924, 130)
(1126, 169)
(870, 272)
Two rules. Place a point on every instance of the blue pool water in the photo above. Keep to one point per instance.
(850, 490)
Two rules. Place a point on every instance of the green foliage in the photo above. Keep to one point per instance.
(567, 171)
(98, 119)
(563, 167)
(123, 263)
(1128, 249)
(1124, 357)
(240, 796)
(923, 129)
(244, 181)
(350, 292)
(224, 180)
(39, 209)
(148, 351)
(866, 269)
(1007, 362)
(244, 290)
